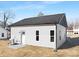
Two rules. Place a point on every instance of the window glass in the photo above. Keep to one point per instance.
(52, 39)
(37, 32)
(2, 34)
(37, 38)
(23, 32)
(52, 32)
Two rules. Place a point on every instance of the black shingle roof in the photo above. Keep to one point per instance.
(48, 19)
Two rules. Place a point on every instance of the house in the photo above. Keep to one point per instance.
(76, 31)
(76, 28)
(3, 33)
(46, 31)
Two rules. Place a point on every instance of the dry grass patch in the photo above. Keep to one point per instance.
(70, 48)
(28, 50)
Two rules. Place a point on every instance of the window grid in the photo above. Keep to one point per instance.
(37, 35)
(51, 35)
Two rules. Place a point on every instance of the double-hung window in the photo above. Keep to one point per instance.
(51, 35)
(37, 35)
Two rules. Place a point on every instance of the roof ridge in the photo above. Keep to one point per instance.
(43, 16)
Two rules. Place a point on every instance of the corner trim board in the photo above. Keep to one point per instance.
(56, 39)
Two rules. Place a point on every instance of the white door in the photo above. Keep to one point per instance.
(23, 40)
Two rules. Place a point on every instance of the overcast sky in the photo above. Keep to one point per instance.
(31, 9)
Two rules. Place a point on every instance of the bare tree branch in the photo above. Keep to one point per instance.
(6, 16)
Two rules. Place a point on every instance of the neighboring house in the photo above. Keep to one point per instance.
(76, 31)
(76, 28)
(47, 31)
(6, 31)
(3, 33)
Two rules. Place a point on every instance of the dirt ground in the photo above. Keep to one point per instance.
(70, 48)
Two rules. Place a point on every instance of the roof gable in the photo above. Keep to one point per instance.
(48, 19)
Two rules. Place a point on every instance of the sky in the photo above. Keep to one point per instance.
(26, 9)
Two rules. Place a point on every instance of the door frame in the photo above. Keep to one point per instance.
(22, 33)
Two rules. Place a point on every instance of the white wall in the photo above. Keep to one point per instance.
(30, 35)
(63, 35)
(2, 30)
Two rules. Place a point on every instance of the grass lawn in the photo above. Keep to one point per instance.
(70, 48)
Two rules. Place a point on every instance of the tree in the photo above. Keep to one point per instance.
(76, 24)
(6, 16)
(73, 25)
(40, 14)
(70, 26)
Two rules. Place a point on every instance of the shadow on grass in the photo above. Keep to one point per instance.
(71, 42)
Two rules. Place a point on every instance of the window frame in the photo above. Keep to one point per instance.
(23, 33)
(2, 35)
(37, 35)
(52, 35)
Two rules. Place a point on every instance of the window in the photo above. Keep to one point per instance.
(76, 33)
(37, 38)
(51, 35)
(37, 35)
(37, 32)
(52, 39)
(2, 34)
(23, 32)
